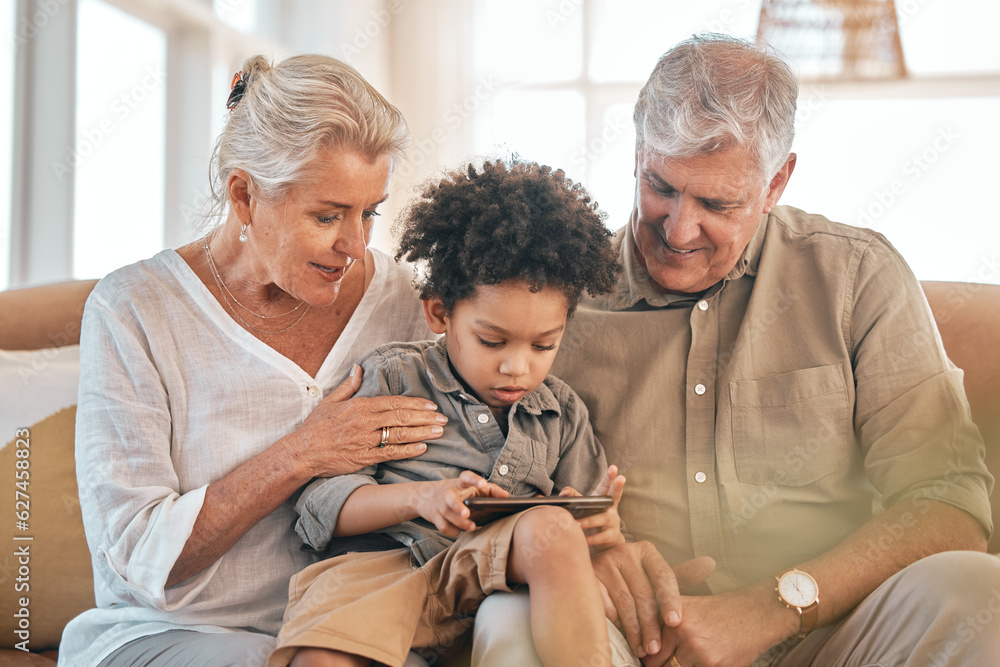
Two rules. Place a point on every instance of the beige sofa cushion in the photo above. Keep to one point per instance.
(56, 580)
(50, 572)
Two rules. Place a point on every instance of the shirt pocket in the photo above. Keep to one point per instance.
(791, 429)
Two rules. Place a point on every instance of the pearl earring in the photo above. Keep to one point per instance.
(243, 234)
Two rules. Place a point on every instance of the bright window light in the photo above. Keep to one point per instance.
(6, 129)
(240, 14)
(916, 170)
(529, 41)
(507, 130)
(913, 168)
(627, 38)
(951, 37)
(118, 160)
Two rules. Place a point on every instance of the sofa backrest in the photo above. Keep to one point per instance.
(968, 317)
(967, 314)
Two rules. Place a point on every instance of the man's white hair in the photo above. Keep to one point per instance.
(714, 92)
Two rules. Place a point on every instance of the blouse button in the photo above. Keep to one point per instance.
(700, 477)
(699, 389)
(314, 391)
(483, 418)
(504, 469)
(703, 305)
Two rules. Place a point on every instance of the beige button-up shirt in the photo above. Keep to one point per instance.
(764, 420)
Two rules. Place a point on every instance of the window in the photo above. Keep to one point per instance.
(118, 160)
(912, 159)
(6, 137)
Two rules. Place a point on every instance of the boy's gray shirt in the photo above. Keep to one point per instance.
(549, 445)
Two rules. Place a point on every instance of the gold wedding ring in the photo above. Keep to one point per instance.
(674, 662)
(385, 437)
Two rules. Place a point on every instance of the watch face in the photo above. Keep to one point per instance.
(798, 589)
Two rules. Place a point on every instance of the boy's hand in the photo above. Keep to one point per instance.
(443, 503)
(603, 530)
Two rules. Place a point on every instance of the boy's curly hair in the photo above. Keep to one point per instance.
(507, 220)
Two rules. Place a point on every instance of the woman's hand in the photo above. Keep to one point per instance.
(343, 435)
(603, 530)
(443, 502)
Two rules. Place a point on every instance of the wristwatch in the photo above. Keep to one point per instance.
(798, 591)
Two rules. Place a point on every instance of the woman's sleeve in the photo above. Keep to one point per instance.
(136, 520)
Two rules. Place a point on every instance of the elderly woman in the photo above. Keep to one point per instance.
(208, 392)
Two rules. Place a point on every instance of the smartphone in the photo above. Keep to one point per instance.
(484, 510)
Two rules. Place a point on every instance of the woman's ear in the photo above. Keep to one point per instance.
(238, 190)
(436, 316)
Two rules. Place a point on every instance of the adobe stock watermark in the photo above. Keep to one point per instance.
(422, 150)
(810, 101)
(968, 629)
(31, 25)
(611, 132)
(562, 13)
(905, 10)
(912, 170)
(727, 17)
(364, 35)
(121, 108)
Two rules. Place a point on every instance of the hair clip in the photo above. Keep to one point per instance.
(238, 89)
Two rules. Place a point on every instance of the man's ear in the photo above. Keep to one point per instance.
(434, 313)
(778, 183)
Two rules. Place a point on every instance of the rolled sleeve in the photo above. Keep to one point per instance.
(136, 518)
(320, 504)
(911, 413)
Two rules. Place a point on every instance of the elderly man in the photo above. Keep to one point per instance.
(773, 387)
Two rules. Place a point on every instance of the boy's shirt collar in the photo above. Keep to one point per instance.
(444, 380)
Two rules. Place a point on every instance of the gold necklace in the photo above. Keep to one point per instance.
(223, 290)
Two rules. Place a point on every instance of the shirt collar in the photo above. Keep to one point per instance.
(634, 284)
(443, 378)
(750, 260)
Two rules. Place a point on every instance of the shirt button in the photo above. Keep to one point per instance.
(700, 477)
(503, 469)
(483, 418)
(703, 305)
(314, 391)
(699, 389)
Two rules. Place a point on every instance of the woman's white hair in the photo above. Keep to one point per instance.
(291, 111)
(714, 92)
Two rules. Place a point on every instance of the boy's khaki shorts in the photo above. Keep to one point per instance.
(380, 605)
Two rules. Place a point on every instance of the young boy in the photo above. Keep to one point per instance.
(505, 252)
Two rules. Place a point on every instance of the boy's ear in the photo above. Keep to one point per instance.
(434, 313)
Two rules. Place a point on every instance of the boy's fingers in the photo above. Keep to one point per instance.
(569, 491)
(605, 484)
(493, 491)
(470, 479)
(617, 487)
(600, 520)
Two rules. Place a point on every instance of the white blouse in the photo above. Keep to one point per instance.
(174, 395)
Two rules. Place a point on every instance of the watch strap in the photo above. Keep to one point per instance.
(808, 615)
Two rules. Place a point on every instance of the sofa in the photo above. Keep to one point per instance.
(46, 580)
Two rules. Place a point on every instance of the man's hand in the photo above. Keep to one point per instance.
(730, 629)
(640, 588)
